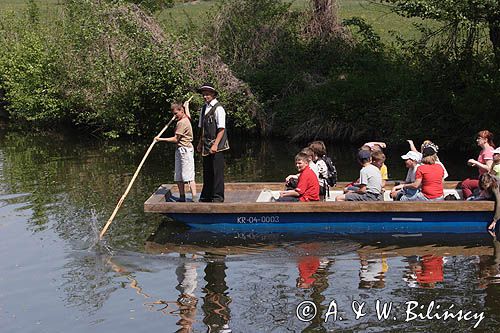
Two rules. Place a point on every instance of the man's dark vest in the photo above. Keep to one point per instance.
(209, 126)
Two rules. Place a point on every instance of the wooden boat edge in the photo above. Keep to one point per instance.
(157, 204)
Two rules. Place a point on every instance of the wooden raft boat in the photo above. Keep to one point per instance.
(249, 207)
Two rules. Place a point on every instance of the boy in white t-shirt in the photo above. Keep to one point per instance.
(370, 181)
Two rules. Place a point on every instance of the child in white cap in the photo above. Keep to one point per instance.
(412, 161)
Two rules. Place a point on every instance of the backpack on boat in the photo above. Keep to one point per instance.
(331, 178)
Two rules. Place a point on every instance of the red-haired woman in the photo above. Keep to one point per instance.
(483, 163)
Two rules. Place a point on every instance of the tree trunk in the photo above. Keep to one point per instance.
(324, 20)
(494, 27)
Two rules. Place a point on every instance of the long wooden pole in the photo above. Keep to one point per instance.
(103, 231)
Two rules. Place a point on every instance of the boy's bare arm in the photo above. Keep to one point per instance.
(173, 139)
(362, 189)
(414, 185)
(289, 193)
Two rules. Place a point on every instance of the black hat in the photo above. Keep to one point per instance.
(207, 87)
(429, 151)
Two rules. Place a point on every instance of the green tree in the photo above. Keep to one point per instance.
(463, 20)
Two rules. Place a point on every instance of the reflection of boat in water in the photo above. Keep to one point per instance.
(217, 281)
(249, 207)
(171, 237)
(174, 238)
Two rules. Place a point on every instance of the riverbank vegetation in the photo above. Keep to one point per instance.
(322, 69)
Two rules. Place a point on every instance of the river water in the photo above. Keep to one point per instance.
(149, 274)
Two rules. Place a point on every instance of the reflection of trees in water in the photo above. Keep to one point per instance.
(89, 281)
(252, 160)
(492, 306)
(65, 180)
(273, 160)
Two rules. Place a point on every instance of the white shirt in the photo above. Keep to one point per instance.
(322, 168)
(314, 168)
(220, 114)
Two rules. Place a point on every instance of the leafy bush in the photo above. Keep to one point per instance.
(99, 65)
(109, 67)
(28, 71)
(354, 87)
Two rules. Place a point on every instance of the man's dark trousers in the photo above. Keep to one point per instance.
(213, 178)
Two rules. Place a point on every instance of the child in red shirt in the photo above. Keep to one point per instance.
(432, 180)
(429, 178)
(307, 188)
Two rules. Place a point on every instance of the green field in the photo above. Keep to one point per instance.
(48, 8)
(193, 14)
(18, 5)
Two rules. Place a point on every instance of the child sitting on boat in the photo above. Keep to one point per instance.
(495, 167)
(319, 151)
(307, 185)
(184, 154)
(369, 187)
(412, 161)
(379, 158)
(291, 180)
(428, 143)
(490, 184)
(428, 178)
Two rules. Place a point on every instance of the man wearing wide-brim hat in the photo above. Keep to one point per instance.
(213, 142)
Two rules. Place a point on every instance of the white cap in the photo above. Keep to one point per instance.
(412, 155)
(496, 151)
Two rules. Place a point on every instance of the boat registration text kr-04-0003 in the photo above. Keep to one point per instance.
(258, 219)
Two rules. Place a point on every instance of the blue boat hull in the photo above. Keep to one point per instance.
(339, 223)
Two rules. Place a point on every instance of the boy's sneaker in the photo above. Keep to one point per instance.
(175, 199)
